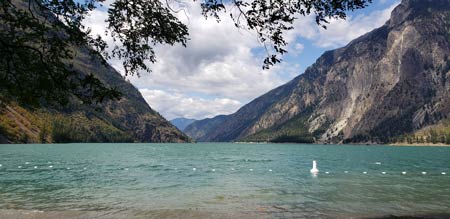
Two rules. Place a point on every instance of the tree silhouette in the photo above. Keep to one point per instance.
(37, 38)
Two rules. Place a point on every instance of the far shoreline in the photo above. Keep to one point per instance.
(329, 144)
(355, 144)
(420, 145)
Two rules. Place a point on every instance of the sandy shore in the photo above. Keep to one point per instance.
(187, 213)
(153, 214)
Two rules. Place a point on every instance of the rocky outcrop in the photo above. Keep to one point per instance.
(388, 82)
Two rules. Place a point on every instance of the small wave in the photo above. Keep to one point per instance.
(251, 160)
(157, 166)
(166, 186)
(153, 166)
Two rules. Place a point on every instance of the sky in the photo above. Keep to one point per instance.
(220, 69)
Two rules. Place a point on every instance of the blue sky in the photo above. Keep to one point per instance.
(220, 69)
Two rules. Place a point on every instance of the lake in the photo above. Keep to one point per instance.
(222, 180)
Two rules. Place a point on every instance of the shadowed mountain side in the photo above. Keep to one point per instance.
(130, 119)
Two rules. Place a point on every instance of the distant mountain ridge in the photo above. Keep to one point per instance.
(182, 123)
(389, 82)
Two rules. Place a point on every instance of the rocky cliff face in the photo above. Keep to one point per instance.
(391, 81)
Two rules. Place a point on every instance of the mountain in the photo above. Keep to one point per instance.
(181, 123)
(388, 83)
(199, 130)
(129, 119)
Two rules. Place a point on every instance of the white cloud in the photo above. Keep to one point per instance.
(220, 63)
(296, 49)
(175, 104)
(340, 32)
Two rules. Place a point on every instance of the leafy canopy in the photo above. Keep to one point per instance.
(38, 39)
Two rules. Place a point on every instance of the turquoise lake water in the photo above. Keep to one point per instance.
(214, 180)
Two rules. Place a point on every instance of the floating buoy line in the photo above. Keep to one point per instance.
(314, 170)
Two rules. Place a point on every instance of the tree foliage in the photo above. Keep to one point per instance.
(36, 52)
(38, 37)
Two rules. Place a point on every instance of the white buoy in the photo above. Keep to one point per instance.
(444, 173)
(0, 165)
(214, 170)
(270, 170)
(378, 163)
(194, 169)
(27, 163)
(345, 171)
(364, 172)
(404, 173)
(251, 170)
(50, 166)
(383, 173)
(314, 169)
(35, 167)
(327, 172)
(424, 173)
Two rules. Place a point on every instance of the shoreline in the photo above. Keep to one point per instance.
(420, 145)
(199, 214)
(350, 144)
(356, 144)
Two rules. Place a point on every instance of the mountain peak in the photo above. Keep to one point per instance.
(409, 9)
